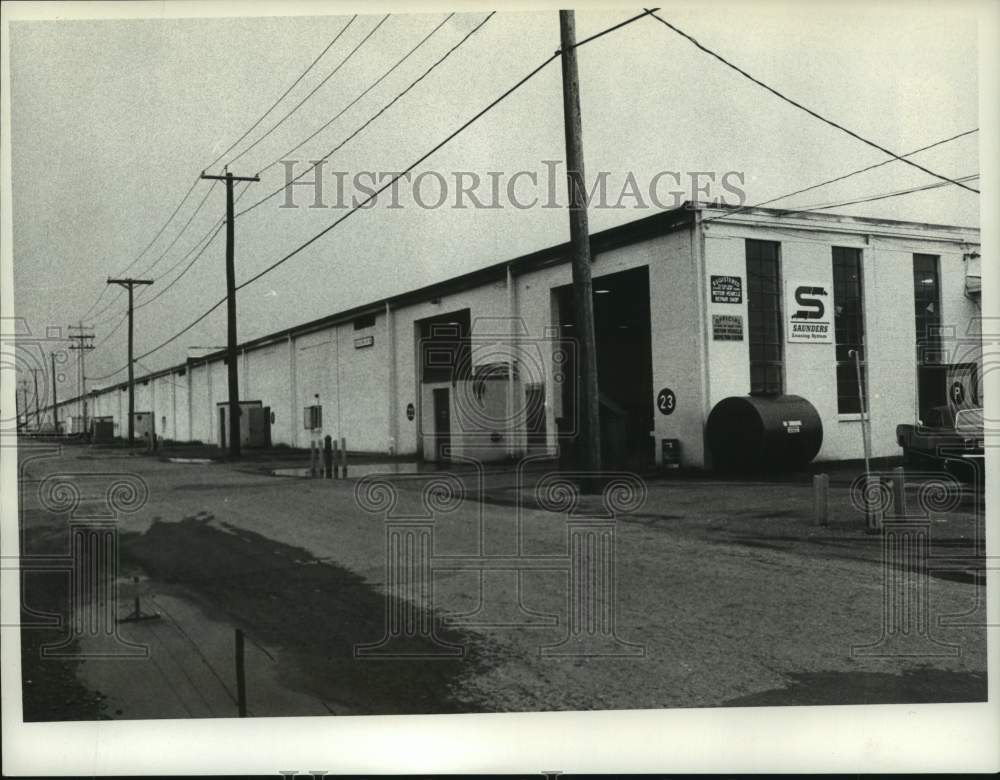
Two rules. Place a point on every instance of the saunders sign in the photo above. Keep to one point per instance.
(810, 313)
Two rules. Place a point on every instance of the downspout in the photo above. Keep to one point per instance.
(513, 447)
(701, 277)
(293, 428)
(390, 346)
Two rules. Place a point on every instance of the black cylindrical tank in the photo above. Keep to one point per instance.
(763, 433)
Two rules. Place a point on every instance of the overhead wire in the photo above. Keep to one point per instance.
(371, 119)
(801, 107)
(299, 105)
(146, 249)
(451, 136)
(368, 89)
(842, 177)
(283, 95)
(194, 184)
(879, 196)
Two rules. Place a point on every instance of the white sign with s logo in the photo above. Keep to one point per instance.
(808, 312)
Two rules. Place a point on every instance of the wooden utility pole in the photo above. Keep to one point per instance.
(588, 448)
(23, 423)
(129, 284)
(55, 400)
(233, 429)
(85, 343)
(38, 413)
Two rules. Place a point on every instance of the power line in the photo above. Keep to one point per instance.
(842, 177)
(216, 228)
(881, 196)
(162, 254)
(283, 95)
(489, 107)
(213, 231)
(146, 249)
(194, 213)
(801, 107)
(198, 178)
(371, 119)
(368, 89)
(298, 105)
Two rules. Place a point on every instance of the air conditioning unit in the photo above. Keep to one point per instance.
(973, 274)
(312, 417)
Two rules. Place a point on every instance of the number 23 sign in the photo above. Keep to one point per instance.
(666, 401)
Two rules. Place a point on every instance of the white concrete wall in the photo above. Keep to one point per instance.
(267, 381)
(810, 369)
(355, 385)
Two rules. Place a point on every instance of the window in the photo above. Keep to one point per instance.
(849, 329)
(366, 321)
(927, 308)
(764, 311)
(931, 375)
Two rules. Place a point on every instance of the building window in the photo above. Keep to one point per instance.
(931, 374)
(927, 308)
(764, 312)
(849, 329)
(365, 321)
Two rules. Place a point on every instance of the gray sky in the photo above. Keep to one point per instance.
(113, 120)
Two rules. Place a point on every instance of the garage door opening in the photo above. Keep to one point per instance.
(624, 368)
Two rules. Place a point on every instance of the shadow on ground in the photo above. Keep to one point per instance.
(913, 686)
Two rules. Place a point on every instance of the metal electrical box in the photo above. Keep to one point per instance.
(670, 453)
(254, 424)
(312, 417)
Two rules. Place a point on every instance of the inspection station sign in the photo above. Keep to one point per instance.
(809, 309)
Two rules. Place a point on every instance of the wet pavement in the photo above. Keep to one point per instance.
(729, 592)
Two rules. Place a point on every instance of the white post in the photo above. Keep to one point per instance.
(821, 494)
(864, 411)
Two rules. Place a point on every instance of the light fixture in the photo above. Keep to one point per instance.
(601, 292)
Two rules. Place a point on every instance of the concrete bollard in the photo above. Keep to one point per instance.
(874, 510)
(821, 496)
(899, 491)
(343, 458)
(328, 456)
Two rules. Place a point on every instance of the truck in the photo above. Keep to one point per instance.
(949, 440)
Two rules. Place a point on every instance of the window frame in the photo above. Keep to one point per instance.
(765, 325)
(854, 299)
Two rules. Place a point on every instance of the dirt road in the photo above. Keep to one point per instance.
(700, 619)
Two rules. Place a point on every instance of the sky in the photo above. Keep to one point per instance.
(113, 120)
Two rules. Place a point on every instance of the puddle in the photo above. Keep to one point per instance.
(354, 470)
(190, 668)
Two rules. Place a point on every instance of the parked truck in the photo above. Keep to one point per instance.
(948, 440)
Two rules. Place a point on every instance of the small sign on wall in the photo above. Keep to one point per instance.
(810, 313)
(727, 289)
(727, 327)
(363, 341)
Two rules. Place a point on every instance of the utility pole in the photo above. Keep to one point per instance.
(588, 449)
(55, 400)
(129, 284)
(85, 343)
(38, 413)
(22, 421)
(233, 430)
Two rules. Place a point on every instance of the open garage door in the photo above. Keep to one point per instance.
(624, 366)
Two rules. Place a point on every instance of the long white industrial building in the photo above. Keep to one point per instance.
(692, 306)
